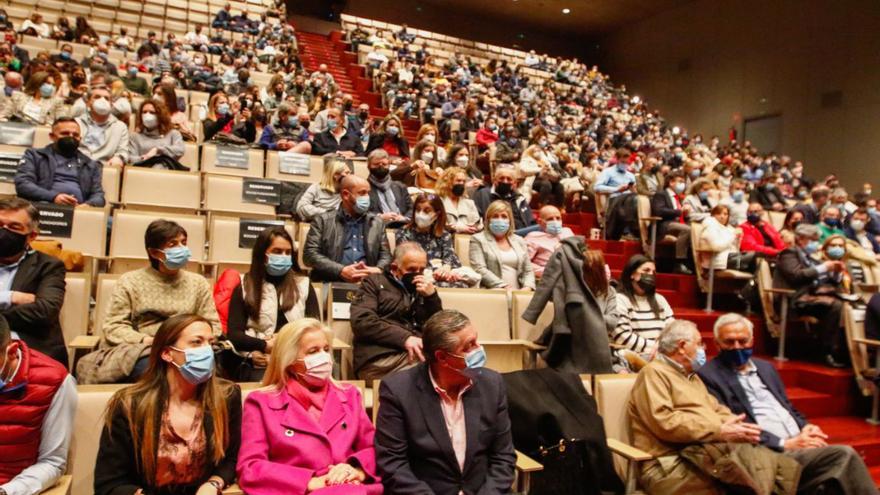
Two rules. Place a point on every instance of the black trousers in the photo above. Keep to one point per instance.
(831, 333)
(621, 216)
(549, 192)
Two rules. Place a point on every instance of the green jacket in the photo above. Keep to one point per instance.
(825, 231)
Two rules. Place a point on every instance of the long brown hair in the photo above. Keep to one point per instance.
(288, 290)
(437, 205)
(163, 120)
(144, 402)
(594, 272)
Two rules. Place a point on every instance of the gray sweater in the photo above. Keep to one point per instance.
(316, 201)
(170, 144)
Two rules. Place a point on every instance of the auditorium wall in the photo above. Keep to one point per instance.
(712, 64)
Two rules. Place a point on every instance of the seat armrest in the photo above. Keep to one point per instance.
(233, 489)
(529, 345)
(628, 451)
(61, 487)
(651, 219)
(870, 342)
(526, 464)
(868, 287)
(784, 292)
(340, 345)
(84, 342)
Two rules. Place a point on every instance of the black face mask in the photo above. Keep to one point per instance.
(11, 243)
(503, 189)
(408, 281)
(458, 189)
(364, 115)
(379, 173)
(647, 283)
(67, 146)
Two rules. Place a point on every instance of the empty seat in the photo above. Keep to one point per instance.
(165, 189)
(190, 157)
(110, 177)
(522, 329)
(487, 310)
(227, 161)
(103, 294)
(274, 169)
(224, 194)
(89, 232)
(127, 238)
(75, 309)
(87, 424)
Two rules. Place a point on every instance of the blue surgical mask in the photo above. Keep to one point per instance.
(199, 364)
(703, 195)
(735, 357)
(362, 204)
(223, 109)
(832, 222)
(679, 187)
(331, 125)
(392, 131)
(176, 257)
(695, 173)
(812, 247)
(65, 55)
(499, 226)
(738, 195)
(47, 90)
(474, 362)
(872, 210)
(836, 252)
(279, 264)
(554, 227)
(292, 121)
(699, 360)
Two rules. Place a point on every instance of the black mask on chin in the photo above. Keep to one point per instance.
(11, 243)
(67, 146)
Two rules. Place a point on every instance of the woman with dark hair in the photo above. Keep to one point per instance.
(459, 156)
(793, 218)
(428, 230)
(272, 293)
(178, 429)
(38, 104)
(176, 115)
(642, 312)
(155, 143)
(83, 30)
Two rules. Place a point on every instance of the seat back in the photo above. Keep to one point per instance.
(462, 248)
(161, 189)
(644, 209)
(765, 282)
(226, 250)
(488, 310)
(110, 182)
(777, 219)
(88, 233)
(338, 317)
(127, 237)
(273, 169)
(302, 231)
(612, 394)
(224, 194)
(522, 329)
(854, 324)
(103, 295)
(87, 426)
(696, 245)
(75, 309)
(214, 164)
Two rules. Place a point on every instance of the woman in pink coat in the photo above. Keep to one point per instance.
(302, 432)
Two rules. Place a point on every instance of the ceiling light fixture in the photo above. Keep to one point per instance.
(566, 11)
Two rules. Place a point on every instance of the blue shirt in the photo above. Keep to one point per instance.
(353, 239)
(611, 179)
(66, 177)
(7, 275)
(770, 415)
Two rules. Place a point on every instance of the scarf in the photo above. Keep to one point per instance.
(385, 194)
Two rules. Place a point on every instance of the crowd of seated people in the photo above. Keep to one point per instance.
(558, 138)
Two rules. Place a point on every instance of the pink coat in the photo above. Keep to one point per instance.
(282, 447)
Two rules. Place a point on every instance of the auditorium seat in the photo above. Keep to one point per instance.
(302, 232)
(339, 323)
(229, 254)
(223, 194)
(713, 280)
(110, 177)
(147, 188)
(190, 157)
(522, 329)
(127, 250)
(612, 398)
(75, 309)
(462, 243)
(89, 232)
(316, 169)
(210, 164)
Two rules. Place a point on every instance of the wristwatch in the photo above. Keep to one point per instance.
(218, 485)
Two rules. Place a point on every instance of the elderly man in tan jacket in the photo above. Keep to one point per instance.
(699, 446)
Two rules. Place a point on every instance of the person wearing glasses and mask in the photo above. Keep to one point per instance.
(178, 429)
(303, 431)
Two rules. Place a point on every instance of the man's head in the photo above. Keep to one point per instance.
(450, 346)
(831, 216)
(859, 220)
(806, 236)
(19, 220)
(378, 163)
(165, 242)
(335, 116)
(98, 100)
(550, 220)
(755, 213)
(13, 80)
(504, 180)
(355, 193)
(65, 134)
(733, 334)
(681, 342)
(409, 261)
(820, 194)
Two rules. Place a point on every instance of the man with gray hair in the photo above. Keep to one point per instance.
(798, 269)
(388, 198)
(676, 420)
(104, 137)
(286, 133)
(443, 426)
(753, 387)
(388, 313)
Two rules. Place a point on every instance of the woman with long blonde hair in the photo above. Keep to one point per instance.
(304, 432)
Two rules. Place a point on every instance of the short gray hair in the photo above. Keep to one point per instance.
(439, 332)
(806, 230)
(831, 207)
(377, 154)
(285, 107)
(728, 319)
(674, 333)
(405, 248)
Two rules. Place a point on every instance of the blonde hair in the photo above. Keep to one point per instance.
(286, 349)
(444, 183)
(499, 206)
(331, 168)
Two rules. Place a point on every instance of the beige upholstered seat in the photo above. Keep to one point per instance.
(161, 189)
(127, 239)
(210, 164)
(89, 232)
(523, 329)
(273, 171)
(227, 253)
(223, 194)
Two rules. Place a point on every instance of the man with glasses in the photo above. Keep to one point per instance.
(753, 387)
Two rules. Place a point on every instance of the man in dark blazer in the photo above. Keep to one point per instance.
(666, 204)
(389, 199)
(443, 426)
(31, 283)
(753, 388)
(337, 138)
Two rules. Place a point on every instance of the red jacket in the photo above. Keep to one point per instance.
(226, 283)
(486, 137)
(23, 404)
(752, 239)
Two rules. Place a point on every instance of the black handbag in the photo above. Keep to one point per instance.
(567, 470)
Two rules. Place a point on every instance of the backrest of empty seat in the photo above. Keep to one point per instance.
(103, 294)
(11, 154)
(224, 246)
(488, 310)
(75, 309)
(462, 248)
(216, 161)
(644, 210)
(127, 238)
(273, 169)
(612, 397)
(777, 219)
(87, 426)
(110, 182)
(88, 233)
(224, 194)
(161, 188)
(190, 157)
(522, 329)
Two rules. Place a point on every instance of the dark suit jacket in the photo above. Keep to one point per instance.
(324, 245)
(401, 197)
(117, 471)
(37, 323)
(795, 271)
(324, 143)
(722, 382)
(809, 211)
(767, 197)
(413, 451)
(663, 207)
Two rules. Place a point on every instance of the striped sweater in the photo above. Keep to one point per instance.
(637, 326)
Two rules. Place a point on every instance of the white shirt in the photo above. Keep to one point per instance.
(509, 264)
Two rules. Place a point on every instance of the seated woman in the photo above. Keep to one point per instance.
(428, 230)
(293, 442)
(143, 299)
(834, 248)
(37, 104)
(228, 118)
(429, 132)
(324, 196)
(459, 156)
(178, 429)
(793, 218)
(498, 255)
(179, 121)
(462, 215)
(155, 143)
(724, 239)
(270, 294)
(642, 312)
(390, 138)
(699, 200)
(424, 169)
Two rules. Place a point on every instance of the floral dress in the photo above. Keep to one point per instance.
(440, 249)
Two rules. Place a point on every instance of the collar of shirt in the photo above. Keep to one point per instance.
(442, 393)
(14, 266)
(678, 367)
(346, 218)
(749, 368)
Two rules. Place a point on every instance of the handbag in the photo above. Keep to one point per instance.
(567, 470)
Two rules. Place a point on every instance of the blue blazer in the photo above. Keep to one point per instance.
(722, 382)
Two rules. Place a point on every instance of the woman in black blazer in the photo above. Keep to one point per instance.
(390, 138)
(178, 429)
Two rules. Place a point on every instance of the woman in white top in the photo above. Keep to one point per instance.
(37, 104)
(719, 236)
(642, 313)
(35, 26)
(500, 256)
(462, 215)
(324, 196)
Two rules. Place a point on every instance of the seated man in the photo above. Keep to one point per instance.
(389, 312)
(60, 173)
(543, 243)
(504, 188)
(37, 404)
(758, 235)
(223, 18)
(31, 282)
(621, 214)
(672, 416)
(667, 205)
(820, 196)
(857, 231)
(443, 426)
(286, 133)
(133, 82)
(104, 137)
(768, 194)
(798, 270)
(350, 243)
(389, 199)
(830, 222)
(337, 138)
(753, 387)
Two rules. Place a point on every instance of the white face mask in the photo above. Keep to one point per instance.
(101, 106)
(319, 367)
(150, 120)
(462, 161)
(427, 157)
(429, 137)
(424, 220)
(857, 225)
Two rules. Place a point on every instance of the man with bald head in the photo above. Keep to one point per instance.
(348, 244)
(542, 243)
(13, 83)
